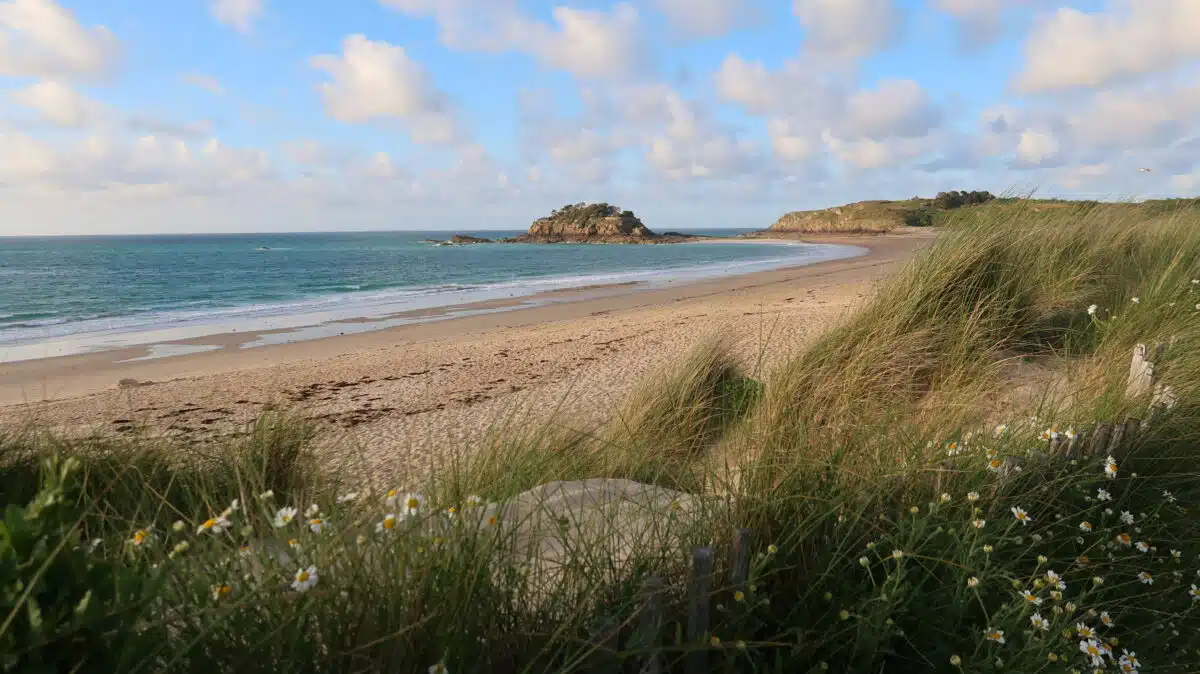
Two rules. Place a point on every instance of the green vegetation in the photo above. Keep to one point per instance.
(873, 554)
(582, 213)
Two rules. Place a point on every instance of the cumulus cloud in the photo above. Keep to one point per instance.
(59, 104)
(39, 38)
(240, 14)
(707, 18)
(205, 82)
(1036, 148)
(841, 32)
(585, 43)
(893, 108)
(376, 80)
(1073, 49)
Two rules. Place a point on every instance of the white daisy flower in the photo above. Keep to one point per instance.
(979, 524)
(1039, 622)
(1142, 547)
(1085, 526)
(1031, 598)
(1146, 578)
(897, 554)
(305, 579)
(1092, 309)
(439, 668)
(1071, 434)
(1124, 539)
(284, 517)
(995, 465)
(1000, 430)
(974, 582)
(1056, 580)
(1126, 517)
(387, 525)
(1021, 516)
(214, 525)
(268, 494)
(1194, 593)
(1103, 495)
(972, 496)
(221, 591)
(140, 537)
(994, 635)
(1176, 555)
(1169, 496)
(1136, 300)
(391, 496)
(1091, 648)
(1106, 619)
(411, 504)
(473, 501)
(1110, 467)
(316, 524)
(313, 510)
(1130, 657)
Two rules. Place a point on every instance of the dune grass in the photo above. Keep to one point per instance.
(871, 553)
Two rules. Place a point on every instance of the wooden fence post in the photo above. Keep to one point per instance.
(699, 597)
(649, 635)
(740, 570)
(1141, 372)
(1100, 439)
(607, 639)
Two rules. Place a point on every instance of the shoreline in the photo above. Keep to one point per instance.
(35, 382)
(172, 333)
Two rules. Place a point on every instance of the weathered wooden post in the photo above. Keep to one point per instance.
(1100, 439)
(740, 571)
(649, 635)
(699, 597)
(607, 639)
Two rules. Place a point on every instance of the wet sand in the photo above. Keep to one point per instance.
(401, 395)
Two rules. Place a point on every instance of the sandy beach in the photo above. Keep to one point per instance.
(403, 394)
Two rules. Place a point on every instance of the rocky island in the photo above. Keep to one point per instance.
(593, 223)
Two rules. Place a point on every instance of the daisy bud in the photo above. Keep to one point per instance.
(955, 660)
(178, 526)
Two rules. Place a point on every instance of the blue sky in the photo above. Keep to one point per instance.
(259, 115)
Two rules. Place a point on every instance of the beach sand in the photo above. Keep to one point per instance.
(405, 396)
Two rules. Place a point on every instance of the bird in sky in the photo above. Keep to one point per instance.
(1144, 170)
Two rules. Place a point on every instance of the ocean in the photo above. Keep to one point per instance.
(65, 295)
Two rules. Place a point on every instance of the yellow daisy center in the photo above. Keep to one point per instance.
(317, 521)
(139, 537)
(993, 635)
(389, 522)
(209, 523)
(302, 576)
(493, 520)
(995, 463)
(412, 503)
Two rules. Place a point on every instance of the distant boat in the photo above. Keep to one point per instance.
(1144, 170)
(262, 248)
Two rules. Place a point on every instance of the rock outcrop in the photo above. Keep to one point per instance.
(462, 239)
(592, 223)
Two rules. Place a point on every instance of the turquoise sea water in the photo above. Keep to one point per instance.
(68, 288)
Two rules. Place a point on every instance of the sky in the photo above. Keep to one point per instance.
(142, 116)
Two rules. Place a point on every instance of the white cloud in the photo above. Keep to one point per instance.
(376, 80)
(894, 108)
(842, 32)
(1073, 49)
(789, 143)
(205, 82)
(240, 14)
(707, 18)
(869, 153)
(59, 104)
(39, 38)
(1036, 148)
(586, 43)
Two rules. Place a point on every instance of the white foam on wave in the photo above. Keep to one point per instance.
(326, 315)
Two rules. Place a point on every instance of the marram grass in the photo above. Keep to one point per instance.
(870, 553)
